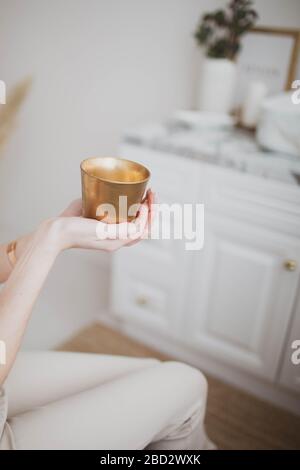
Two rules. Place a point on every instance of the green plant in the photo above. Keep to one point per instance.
(220, 31)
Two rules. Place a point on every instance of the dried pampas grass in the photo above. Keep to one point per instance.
(8, 111)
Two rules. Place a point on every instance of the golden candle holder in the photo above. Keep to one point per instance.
(105, 180)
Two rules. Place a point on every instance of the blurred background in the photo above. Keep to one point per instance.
(100, 71)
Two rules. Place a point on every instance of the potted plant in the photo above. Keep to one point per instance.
(220, 34)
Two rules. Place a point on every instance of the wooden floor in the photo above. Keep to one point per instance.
(234, 419)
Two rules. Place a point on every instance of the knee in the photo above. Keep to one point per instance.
(188, 377)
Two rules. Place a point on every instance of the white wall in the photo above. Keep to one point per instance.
(98, 66)
(279, 13)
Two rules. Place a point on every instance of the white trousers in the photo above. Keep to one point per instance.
(61, 400)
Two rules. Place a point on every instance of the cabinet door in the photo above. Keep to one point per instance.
(243, 294)
(290, 372)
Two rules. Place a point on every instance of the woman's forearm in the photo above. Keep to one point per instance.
(5, 266)
(36, 254)
(21, 290)
(23, 242)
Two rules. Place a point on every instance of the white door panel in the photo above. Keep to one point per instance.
(243, 295)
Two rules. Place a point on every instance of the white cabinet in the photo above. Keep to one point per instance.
(290, 373)
(171, 177)
(243, 294)
(150, 280)
(233, 302)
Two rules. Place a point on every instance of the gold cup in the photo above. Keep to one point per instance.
(104, 180)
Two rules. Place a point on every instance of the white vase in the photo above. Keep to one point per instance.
(216, 87)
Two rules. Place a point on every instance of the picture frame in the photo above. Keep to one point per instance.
(255, 63)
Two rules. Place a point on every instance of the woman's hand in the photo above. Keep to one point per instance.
(71, 230)
(37, 254)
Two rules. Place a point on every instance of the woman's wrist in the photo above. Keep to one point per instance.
(50, 235)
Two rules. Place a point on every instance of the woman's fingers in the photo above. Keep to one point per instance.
(126, 230)
(146, 224)
(138, 226)
(146, 197)
(106, 231)
(152, 201)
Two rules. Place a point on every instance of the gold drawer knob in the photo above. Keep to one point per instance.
(290, 265)
(141, 301)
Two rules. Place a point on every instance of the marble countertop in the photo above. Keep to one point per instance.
(229, 148)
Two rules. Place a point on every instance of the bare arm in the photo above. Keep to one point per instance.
(21, 291)
(25, 282)
(5, 266)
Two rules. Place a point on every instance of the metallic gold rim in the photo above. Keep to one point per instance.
(105, 180)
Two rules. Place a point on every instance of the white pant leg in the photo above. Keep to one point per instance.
(40, 377)
(160, 404)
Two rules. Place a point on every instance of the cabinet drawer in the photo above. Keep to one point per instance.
(149, 285)
(268, 203)
(141, 286)
(142, 302)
